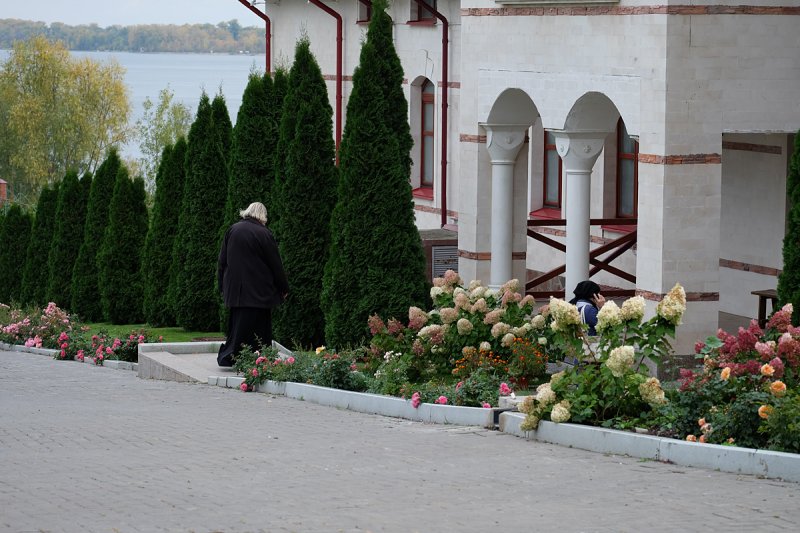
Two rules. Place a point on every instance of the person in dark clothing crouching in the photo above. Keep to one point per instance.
(252, 281)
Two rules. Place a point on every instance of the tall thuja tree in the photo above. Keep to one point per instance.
(73, 195)
(202, 210)
(251, 153)
(85, 291)
(302, 193)
(120, 256)
(789, 279)
(15, 236)
(276, 98)
(34, 276)
(157, 256)
(222, 124)
(376, 262)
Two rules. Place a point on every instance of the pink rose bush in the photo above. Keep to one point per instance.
(55, 329)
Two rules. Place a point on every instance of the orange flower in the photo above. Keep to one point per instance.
(702, 438)
(764, 411)
(691, 438)
(778, 388)
(725, 374)
(767, 370)
(701, 422)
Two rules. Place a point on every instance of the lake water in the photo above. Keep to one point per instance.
(187, 75)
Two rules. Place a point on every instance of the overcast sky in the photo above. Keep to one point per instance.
(129, 12)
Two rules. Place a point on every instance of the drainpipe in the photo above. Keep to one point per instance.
(445, 90)
(339, 33)
(268, 24)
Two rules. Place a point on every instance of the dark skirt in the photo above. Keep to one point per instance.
(246, 326)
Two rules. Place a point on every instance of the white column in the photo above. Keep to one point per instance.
(503, 142)
(578, 151)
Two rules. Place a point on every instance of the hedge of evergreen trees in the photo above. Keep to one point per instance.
(85, 289)
(73, 196)
(376, 263)
(34, 274)
(306, 181)
(157, 255)
(194, 296)
(120, 255)
(14, 236)
(347, 236)
(789, 279)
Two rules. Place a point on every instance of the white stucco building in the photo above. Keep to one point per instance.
(676, 116)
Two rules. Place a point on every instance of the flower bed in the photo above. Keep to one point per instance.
(53, 328)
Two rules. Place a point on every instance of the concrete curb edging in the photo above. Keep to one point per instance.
(731, 459)
(370, 403)
(108, 363)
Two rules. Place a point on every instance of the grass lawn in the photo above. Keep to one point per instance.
(169, 334)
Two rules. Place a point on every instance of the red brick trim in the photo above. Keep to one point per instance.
(451, 84)
(436, 210)
(477, 256)
(589, 11)
(487, 256)
(467, 138)
(685, 159)
(750, 147)
(690, 296)
(749, 267)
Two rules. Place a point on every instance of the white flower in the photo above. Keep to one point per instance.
(448, 314)
(500, 329)
(464, 326)
(560, 412)
(608, 317)
(673, 305)
(474, 284)
(633, 309)
(479, 306)
(477, 292)
(545, 395)
(620, 359)
(485, 346)
(652, 392)
(542, 341)
(538, 322)
(508, 339)
(564, 314)
(510, 285)
(436, 291)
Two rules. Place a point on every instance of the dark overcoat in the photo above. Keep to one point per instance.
(249, 271)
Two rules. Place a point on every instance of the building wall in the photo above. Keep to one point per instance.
(420, 52)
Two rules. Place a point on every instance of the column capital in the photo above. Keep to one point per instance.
(579, 149)
(504, 141)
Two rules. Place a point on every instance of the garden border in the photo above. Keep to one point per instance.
(107, 363)
(732, 459)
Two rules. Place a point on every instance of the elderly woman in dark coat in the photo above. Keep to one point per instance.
(251, 277)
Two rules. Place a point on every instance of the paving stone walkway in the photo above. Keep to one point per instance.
(90, 449)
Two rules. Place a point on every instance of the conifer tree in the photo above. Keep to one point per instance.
(252, 149)
(280, 86)
(120, 255)
(85, 291)
(73, 195)
(34, 276)
(789, 279)
(302, 195)
(222, 124)
(14, 236)
(195, 259)
(157, 255)
(376, 262)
